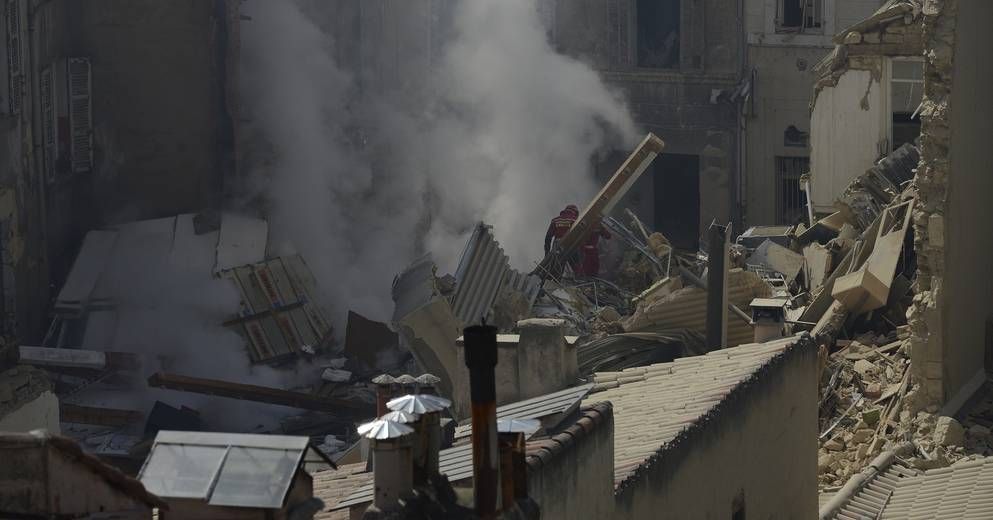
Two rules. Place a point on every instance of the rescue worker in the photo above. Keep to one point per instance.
(590, 265)
(560, 225)
(558, 228)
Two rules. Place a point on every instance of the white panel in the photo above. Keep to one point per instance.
(845, 135)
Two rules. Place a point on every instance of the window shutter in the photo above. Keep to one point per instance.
(48, 121)
(80, 115)
(13, 26)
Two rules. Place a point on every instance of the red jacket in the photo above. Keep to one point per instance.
(558, 228)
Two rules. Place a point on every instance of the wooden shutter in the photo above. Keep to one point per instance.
(13, 30)
(80, 115)
(48, 121)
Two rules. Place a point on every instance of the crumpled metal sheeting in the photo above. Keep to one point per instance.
(619, 351)
(478, 277)
(483, 271)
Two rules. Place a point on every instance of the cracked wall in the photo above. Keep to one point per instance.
(952, 218)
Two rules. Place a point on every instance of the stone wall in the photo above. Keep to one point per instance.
(952, 216)
(761, 447)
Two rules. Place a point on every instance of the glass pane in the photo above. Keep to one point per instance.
(255, 477)
(175, 470)
(908, 69)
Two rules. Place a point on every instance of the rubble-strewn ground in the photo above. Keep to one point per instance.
(869, 404)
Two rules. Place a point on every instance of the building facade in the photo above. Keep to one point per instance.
(786, 39)
(678, 64)
(113, 111)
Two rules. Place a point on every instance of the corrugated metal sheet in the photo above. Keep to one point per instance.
(634, 349)
(481, 270)
(654, 404)
(537, 407)
(686, 308)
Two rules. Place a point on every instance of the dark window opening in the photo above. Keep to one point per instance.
(791, 200)
(676, 181)
(793, 136)
(906, 129)
(800, 14)
(658, 33)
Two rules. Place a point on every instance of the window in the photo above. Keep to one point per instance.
(906, 93)
(793, 136)
(658, 33)
(799, 15)
(791, 201)
(80, 115)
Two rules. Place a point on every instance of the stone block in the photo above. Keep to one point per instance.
(936, 230)
(948, 432)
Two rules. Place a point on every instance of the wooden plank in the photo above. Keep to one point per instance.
(73, 413)
(261, 394)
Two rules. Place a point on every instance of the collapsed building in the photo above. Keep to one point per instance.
(857, 340)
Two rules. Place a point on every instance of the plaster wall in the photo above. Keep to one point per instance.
(40, 413)
(781, 98)
(579, 482)
(763, 448)
(849, 125)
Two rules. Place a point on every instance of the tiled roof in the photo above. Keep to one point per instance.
(964, 490)
(541, 452)
(333, 486)
(657, 405)
(874, 496)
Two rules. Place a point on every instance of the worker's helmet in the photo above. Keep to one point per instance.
(572, 209)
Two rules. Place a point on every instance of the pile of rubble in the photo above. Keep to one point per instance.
(870, 405)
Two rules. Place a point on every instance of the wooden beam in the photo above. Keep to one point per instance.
(260, 394)
(74, 413)
(601, 205)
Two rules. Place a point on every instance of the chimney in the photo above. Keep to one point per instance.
(542, 345)
(717, 281)
(768, 319)
(481, 359)
(392, 462)
(428, 384)
(406, 384)
(384, 392)
(512, 434)
(427, 443)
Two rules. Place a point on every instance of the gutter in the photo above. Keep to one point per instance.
(855, 484)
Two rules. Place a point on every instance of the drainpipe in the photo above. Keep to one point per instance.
(481, 359)
(805, 184)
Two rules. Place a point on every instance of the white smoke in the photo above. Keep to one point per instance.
(498, 128)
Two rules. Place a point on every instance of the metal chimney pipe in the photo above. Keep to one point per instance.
(513, 467)
(384, 392)
(717, 293)
(481, 359)
(428, 429)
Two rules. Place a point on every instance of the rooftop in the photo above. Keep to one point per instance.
(109, 474)
(656, 406)
(963, 490)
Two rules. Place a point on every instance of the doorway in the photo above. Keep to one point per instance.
(676, 181)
